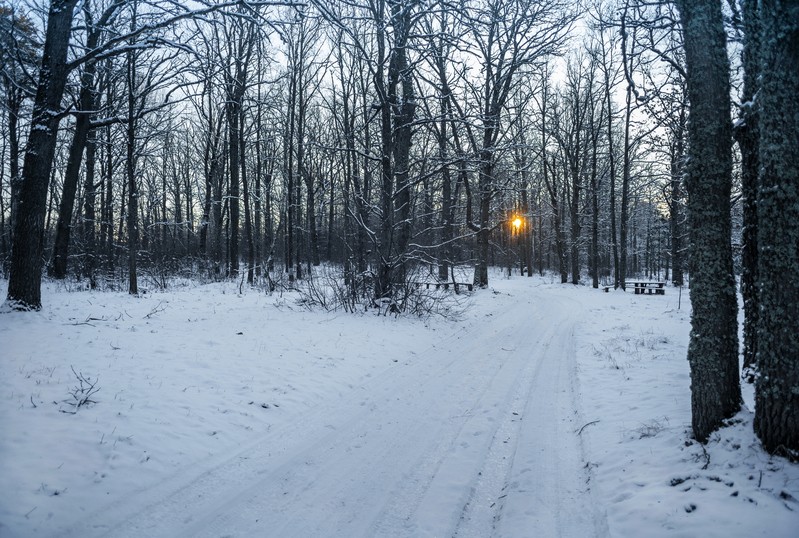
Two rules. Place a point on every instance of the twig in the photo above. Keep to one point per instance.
(33, 404)
(585, 426)
(88, 319)
(707, 457)
(84, 391)
(156, 310)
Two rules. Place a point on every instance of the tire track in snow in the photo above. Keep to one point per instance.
(418, 435)
(212, 486)
(448, 481)
(547, 490)
(419, 450)
(483, 510)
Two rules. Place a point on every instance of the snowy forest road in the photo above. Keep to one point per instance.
(475, 437)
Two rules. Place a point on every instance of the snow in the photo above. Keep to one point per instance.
(543, 410)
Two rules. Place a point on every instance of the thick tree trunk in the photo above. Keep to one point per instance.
(713, 347)
(58, 262)
(24, 285)
(777, 396)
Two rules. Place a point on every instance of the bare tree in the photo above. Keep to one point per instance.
(19, 52)
(24, 290)
(86, 105)
(509, 37)
(392, 82)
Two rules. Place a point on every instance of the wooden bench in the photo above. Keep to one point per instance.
(649, 288)
(457, 285)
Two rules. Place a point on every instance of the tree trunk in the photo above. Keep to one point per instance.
(58, 262)
(746, 134)
(486, 187)
(90, 262)
(397, 116)
(14, 103)
(235, 167)
(777, 396)
(290, 176)
(313, 230)
(574, 213)
(617, 278)
(713, 347)
(594, 206)
(107, 227)
(130, 169)
(447, 229)
(624, 220)
(248, 231)
(24, 285)
(676, 203)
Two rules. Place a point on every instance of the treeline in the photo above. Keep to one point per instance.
(268, 138)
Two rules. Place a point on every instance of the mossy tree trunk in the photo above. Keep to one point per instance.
(777, 385)
(713, 347)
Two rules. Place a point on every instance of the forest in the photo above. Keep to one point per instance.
(380, 144)
(384, 139)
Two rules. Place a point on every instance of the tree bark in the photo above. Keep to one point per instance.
(90, 195)
(58, 262)
(594, 202)
(130, 172)
(676, 202)
(777, 385)
(24, 285)
(746, 133)
(248, 227)
(713, 347)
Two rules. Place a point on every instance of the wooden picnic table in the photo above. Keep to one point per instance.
(649, 288)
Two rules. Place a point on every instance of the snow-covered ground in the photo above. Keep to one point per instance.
(544, 410)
